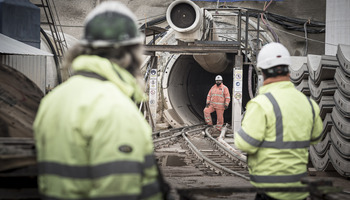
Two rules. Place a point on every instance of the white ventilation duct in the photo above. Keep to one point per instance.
(187, 19)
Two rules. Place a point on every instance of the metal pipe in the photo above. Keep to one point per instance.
(258, 37)
(191, 23)
(239, 30)
(246, 35)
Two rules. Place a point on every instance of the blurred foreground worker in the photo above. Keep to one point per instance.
(91, 140)
(278, 127)
(218, 100)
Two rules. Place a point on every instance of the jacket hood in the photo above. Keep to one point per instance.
(112, 72)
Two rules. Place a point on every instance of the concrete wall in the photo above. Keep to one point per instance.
(337, 25)
(73, 12)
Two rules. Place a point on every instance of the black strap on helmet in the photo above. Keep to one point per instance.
(280, 70)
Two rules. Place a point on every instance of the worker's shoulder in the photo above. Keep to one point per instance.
(261, 98)
(113, 96)
(115, 104)
(91, 91)
(226, 89)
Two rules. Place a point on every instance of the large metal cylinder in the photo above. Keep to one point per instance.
(187, 19)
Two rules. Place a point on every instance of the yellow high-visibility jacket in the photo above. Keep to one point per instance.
(278, 127)
(92, 142)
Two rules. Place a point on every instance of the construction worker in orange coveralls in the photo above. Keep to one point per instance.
(218, 100)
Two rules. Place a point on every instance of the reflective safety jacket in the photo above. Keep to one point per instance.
(218, 96)
(92, 142)
(278, 127)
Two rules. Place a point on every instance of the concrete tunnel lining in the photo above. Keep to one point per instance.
(185, 85)
(185, 88)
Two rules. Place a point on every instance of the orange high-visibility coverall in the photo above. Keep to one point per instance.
(218, 97)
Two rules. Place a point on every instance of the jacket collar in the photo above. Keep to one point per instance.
(112, 72)
(220, 86)
(276, 85)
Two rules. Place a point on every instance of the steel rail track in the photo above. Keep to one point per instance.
(235, 159)
(170, 132)
(171, 135)
(218, 168)
(225, 148)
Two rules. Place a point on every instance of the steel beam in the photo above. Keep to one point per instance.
(149, 49)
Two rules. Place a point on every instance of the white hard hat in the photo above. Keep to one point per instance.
(273, 54)
(218, 78)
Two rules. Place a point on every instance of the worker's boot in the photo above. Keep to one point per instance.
(214, 132)
(217, 133)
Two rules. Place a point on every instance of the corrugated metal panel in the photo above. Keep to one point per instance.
(11, 46)
(34, 67)
(337, 24)
(26, 59)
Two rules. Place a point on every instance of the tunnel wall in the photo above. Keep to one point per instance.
(185, 87)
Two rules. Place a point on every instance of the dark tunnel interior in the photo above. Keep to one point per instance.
(189, 84)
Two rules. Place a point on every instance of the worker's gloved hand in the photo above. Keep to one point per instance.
(207, 106)
(226, 107)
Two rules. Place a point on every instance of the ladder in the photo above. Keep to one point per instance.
(53, 22)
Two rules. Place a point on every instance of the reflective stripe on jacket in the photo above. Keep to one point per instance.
(218, 96)
(277, 129)
(91, 140)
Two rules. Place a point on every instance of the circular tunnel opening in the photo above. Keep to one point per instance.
(187, 88)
